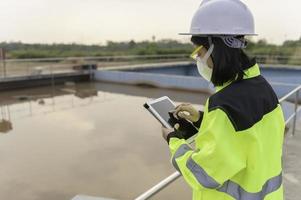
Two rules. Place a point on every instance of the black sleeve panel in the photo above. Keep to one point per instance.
(245, 102)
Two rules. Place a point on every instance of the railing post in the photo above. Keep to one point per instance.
(4, 68)
(27, 70)
(90, 73)
(52, 84)
(2, 57)
(296, 111)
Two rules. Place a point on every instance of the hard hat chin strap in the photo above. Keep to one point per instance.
(210, 41)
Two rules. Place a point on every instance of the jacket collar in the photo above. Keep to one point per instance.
(249, 73)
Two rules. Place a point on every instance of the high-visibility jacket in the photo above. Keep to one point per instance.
(238, 149)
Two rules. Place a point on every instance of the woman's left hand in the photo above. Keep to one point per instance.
(167, 131)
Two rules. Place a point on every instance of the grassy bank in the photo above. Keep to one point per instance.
(287, 53)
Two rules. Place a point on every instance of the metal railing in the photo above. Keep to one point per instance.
(29, 67)
(294, 116)
(34, 69)
(278, 59)
(262, 57)
(37, 66)
(173, 177)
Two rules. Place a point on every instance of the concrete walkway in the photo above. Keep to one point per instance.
(292, 164)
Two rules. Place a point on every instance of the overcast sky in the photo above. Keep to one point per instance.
(96, 21)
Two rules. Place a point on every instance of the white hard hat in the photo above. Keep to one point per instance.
(222, 17)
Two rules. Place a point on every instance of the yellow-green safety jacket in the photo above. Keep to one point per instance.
(238, 148)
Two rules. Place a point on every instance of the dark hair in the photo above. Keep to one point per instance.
(229, 63)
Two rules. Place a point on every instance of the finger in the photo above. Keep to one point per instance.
(186, 108)
(175, 114)
(177, 126)
(184, 116)
(181, 115)
(179, 108)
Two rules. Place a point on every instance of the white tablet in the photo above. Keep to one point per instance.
(159, 108)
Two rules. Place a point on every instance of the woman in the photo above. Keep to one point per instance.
(238, 148)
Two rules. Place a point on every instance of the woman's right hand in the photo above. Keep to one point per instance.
(186, 111)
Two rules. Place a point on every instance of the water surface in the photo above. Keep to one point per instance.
(94, 139)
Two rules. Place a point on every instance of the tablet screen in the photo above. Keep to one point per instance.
(163, 107)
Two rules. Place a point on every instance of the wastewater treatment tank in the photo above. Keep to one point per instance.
(184, 76)
(95, 138)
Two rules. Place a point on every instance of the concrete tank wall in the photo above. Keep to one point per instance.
(184, 75)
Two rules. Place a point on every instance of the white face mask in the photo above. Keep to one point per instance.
(204, 70)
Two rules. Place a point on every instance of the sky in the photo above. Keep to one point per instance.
(97, 21)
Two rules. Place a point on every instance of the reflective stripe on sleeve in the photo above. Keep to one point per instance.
(200, 174)
(238, 193)
(229, 187)
(180, 152)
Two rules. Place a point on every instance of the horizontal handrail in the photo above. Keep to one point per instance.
(160, 186)
(284, 84)
(137, 56)
(165, 182)
(97, 57)
(292, 116)
(290, 94)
